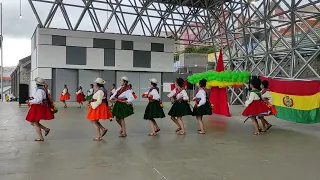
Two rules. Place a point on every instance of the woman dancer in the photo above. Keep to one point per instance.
(180, 107)
(154, 109)
(123, 107)
(267, 98)
(90, 92)
(202, 106)
(65, 96)
(254, 105)
(99, 109)
(113, 89)
(40, 109)
(80, 97)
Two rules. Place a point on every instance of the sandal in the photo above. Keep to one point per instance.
(123, 135)
(97, 139)
(182, 133)
(157, 130)
(201, 132)
(152, 134)
(256, 133)
(178, 129)
(47, 132)
(269, 126)
(104, 132)
(39, 139)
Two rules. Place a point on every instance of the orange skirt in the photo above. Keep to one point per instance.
(65, 97)
(102, 112)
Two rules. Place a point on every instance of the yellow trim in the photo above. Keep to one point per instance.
(297, 102)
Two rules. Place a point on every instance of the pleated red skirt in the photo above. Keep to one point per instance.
(256, 108)
(80, 98)
(39, 112)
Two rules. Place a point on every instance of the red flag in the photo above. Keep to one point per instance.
(218, 96)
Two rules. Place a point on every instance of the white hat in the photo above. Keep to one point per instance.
(125, 78)
(40, 81)
(99, 81)
(153, 80)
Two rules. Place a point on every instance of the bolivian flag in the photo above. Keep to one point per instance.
(296, 101)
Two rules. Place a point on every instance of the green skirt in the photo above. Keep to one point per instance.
(122, 110)
(153, 110)
(202, 110)
(180, 108)
(88, 98)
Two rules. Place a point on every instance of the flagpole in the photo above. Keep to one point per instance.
(1, 48)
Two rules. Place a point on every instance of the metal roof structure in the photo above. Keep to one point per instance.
(274, 38)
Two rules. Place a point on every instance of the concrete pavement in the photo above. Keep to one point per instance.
(228, 151)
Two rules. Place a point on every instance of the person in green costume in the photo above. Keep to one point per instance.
(123, 104)
(180, 106)
(203, 106)
(154, 108)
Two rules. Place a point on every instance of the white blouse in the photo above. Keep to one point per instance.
(98, 96)
(113, 90)
(38, 97)
(64, 91)
(183, 94)
(125, 95)
(154, 93)
(253, 96)
(267, 94)
(202, 96)
(79, 91)
(90, 92)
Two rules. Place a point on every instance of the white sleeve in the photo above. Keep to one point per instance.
(64, 92)
(269, 96)
(202, 95)
(184, 95)
(37, 97)
(129, 96)
(49, 92)
(170, 95)
(114, 94)
(78, 92)
(155, 95)
(251, 98)
(98, 101)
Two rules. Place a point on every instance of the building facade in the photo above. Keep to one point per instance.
(75, 58)
(20, 75)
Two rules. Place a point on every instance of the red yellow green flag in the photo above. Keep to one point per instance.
(296, 101)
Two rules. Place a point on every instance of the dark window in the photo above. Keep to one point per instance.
(157, 47)
(109, 57)
(59, 40)
(142, 59)
(127, 45)
(104, 43)
(76, 55)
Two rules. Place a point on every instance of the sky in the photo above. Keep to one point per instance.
(17, 31)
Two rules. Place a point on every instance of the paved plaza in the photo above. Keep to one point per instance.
(228, 151)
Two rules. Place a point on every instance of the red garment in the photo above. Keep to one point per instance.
(39, 112)
(256, 108)
(80, 98)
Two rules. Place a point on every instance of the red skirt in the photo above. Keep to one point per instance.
(272, 108)
(256, 108)
(39, 112)
(102, 112)
(80, 98)
(65, 97)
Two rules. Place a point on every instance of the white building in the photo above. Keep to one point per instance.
(76, 58)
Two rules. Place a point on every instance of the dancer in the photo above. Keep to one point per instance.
(113, 89)
(99, 109)
(153, 109)
(39, 109)
(80, 97)
(202, 106)
(133, 93)
(123, 106)
(65, 96)
(254, 105)
(180, 107)
(90, 92)
(267, 98)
